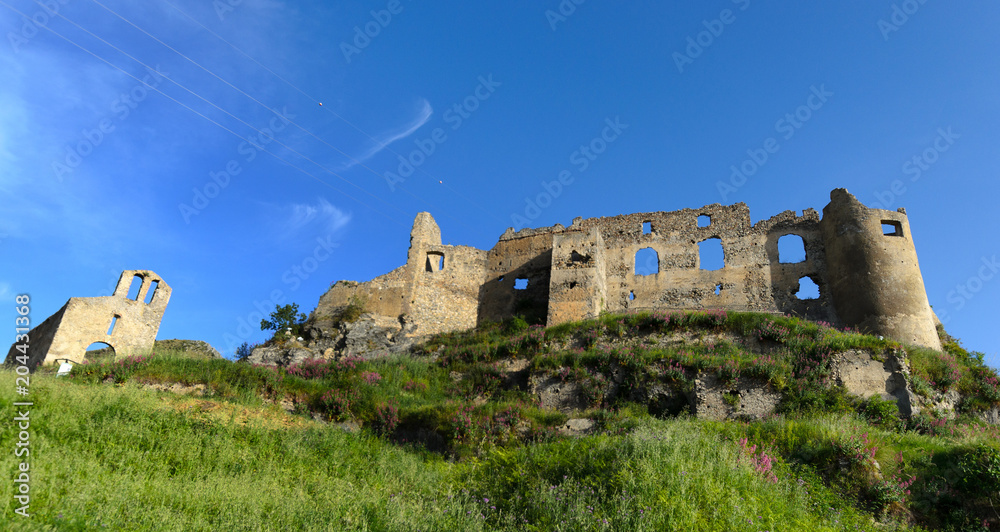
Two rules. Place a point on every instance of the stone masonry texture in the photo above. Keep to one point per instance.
(862, 259)
(127, 325)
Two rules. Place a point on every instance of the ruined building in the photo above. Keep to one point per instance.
(863, 261)
(128, 325)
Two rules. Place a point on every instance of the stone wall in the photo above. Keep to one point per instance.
(867, 277)
(127, 325)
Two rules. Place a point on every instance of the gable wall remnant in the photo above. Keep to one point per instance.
(127, 325)
(867, 276)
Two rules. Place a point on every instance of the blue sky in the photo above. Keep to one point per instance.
(227, 177)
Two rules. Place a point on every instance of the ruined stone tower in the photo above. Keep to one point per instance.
(861, 260)
(873, 272)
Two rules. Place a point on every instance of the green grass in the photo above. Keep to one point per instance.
(130, 459)
(478, 453)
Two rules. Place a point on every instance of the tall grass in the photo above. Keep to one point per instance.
(123, 458)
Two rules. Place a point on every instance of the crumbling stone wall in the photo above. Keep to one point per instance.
(82, 321)
(867, 277)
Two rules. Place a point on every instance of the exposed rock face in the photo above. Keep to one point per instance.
(743, 399)
(555, 394)
(280, 356)
(577, 427)
(709, 397)
(368, 337)
(191, 347)
(865, 376)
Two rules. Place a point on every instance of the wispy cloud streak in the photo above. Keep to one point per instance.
(383, 140)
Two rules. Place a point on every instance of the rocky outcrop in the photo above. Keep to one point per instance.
(707, 396)
(865, 375)
(742, 399)
(195, 348)
(369, 337)
(556, 394)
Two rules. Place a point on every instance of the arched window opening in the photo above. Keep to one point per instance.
(135, 287)
(808, 289)
(99, 351)
(710, 254)
(647, 262)
(152, 291)
(791, 249)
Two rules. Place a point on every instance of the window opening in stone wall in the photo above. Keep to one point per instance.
(647, 228)
(500, 279)
(718, 289)
(808, 289)
(704, 220)
(631, 295)
(791, 249)
(99, 351)
(574, 256)
(520, 284)
(710, 254)
(135, 287)
(114, 320)
(647, 262)
(892, 228)
(152, 291)
(435, 261)
(572, 285)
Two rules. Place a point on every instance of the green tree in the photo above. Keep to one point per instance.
(283, 318)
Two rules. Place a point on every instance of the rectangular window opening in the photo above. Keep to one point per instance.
(114, 321)
(647, 228)
(892, 228)
(704, 220)
(520, 284)
(435, 261)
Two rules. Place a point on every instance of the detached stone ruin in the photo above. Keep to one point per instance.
(862, 260)
(127, 325)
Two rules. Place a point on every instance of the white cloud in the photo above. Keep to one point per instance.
(322, 217)
(384, 139)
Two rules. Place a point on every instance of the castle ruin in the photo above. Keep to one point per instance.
(126, 324)
(863, 261)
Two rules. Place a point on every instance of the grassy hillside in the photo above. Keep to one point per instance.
(452, 439)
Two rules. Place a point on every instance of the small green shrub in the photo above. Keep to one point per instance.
(881, 412)
(354, 309)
